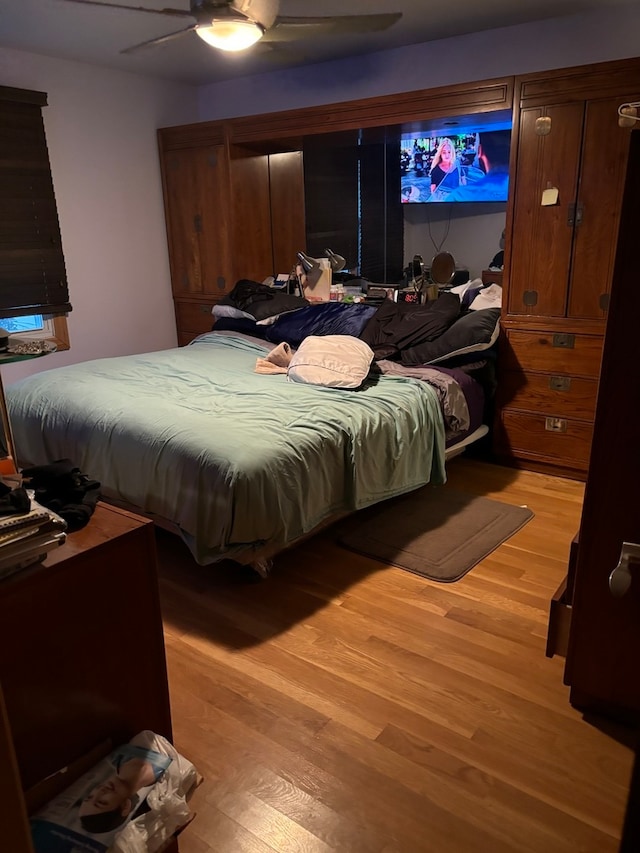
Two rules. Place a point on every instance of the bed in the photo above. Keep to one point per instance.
(240, 464)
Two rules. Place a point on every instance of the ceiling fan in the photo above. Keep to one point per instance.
(237, 24)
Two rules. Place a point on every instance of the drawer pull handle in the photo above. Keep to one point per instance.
(560, 383)
(564, 341)
(555, 424)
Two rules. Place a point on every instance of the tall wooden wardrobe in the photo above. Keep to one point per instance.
(568, 166)
(232, 211)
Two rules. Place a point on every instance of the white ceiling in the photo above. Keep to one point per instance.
(96, 34)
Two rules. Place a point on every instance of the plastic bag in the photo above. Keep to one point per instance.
(130, 802)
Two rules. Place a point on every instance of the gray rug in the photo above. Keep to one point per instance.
(435, 531)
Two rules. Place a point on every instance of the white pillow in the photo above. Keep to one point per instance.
(336, 361)
(489, 297)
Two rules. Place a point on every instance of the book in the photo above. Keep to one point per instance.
(22, 554)
(30, 525)
(26, 538)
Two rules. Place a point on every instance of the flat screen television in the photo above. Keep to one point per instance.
(470, 165)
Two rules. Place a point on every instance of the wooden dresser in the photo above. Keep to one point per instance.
(82, 663)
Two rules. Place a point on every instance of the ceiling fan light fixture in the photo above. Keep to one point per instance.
(230, 35)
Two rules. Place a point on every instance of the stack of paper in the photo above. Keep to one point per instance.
(28, 537)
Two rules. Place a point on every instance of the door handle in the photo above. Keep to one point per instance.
(620, 578)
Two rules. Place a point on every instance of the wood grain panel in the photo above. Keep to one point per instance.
(528, 435)
(579, 82)
(559, 622)
(287, 209)
(542, 162)
(194, 316)
(69, 631)
(599, 195)
(196, 191)
(16, 834)
(532, 392)
(251, 234)
(191, 135)
(536, 351)
(68, 682)
(477, 97)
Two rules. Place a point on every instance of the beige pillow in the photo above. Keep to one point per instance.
(336, 361)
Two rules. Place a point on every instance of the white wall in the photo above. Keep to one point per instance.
(472, 236)
(101, 133)
(598, 36)
(466, 231)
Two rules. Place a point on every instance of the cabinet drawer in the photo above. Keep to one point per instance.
(194, 316)
(531, 435)
(551, 394)
(559, 622)
(575, 355)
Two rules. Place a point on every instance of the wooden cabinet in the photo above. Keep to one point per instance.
(197, 191)
(82, 662)
(568, 166)
(604, 617)
(234, 190)
(232, 211)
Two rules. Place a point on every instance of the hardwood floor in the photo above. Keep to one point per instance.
(344, 705)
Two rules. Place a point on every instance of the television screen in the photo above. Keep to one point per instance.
(469, 165)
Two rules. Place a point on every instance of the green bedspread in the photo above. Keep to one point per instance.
(236, 459)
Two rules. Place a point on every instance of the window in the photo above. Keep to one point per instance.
(37, 327)
(33, 280)
(350, 178)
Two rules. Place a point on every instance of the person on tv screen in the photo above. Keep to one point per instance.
(493, 156)
(445, 174)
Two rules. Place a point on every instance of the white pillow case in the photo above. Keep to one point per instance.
(335, 361)
(489, 297)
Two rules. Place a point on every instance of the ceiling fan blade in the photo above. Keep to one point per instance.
(177, 12)
(159, 40)
(289, 29)
(280, 53)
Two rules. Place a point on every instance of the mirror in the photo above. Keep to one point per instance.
(369, 194)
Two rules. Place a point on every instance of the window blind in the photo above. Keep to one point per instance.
(33, 277)
(331, 194)
(352, 200)
(382, 216)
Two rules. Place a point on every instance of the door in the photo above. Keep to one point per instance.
(605, 148)
(197, 205)
(604, 644)
(543, 233)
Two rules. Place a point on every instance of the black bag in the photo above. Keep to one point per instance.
(63, 488)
